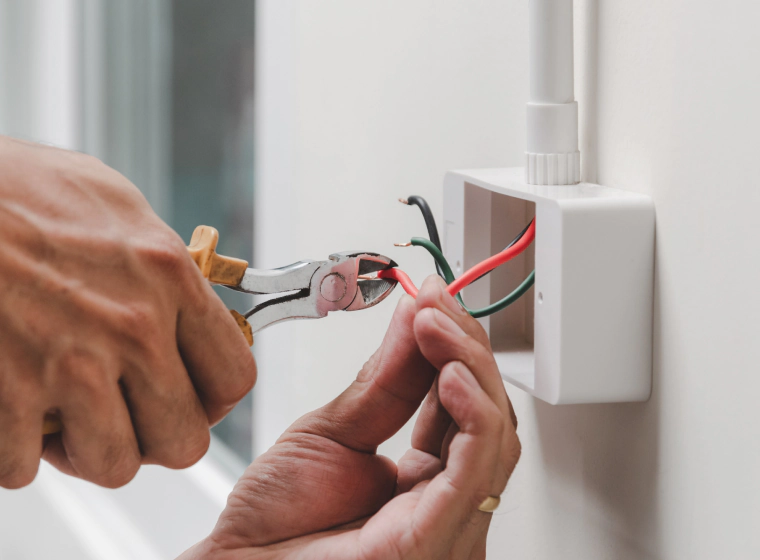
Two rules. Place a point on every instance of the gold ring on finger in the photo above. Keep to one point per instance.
(490, 504)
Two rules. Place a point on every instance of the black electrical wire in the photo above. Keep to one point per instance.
(445, 271)
(515, 240)
(427, 214)
(432, 228)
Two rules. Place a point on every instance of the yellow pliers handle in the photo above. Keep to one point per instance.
(218, 269)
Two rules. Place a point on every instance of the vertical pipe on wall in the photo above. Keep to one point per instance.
(550, 36)
(552, 156)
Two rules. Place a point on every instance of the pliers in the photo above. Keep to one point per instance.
(311, 289)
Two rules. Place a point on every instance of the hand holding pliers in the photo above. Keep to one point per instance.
(311, 289)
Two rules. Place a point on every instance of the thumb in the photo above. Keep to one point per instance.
(385, 394)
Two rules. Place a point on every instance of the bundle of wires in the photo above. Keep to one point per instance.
(433, 246)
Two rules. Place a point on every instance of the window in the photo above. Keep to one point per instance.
(168, 101)
(212, 146)
(162, 91)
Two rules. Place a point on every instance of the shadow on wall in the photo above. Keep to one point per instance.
(608, 455)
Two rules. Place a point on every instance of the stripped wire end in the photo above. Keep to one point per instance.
(403, 201)
(367, 277)
(407, 244)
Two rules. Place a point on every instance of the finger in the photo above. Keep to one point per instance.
(170, 422)
(433, 294)
(20, 436)
(415, 467)
(384, 395)
(214, 351)
(478, 551)
(431, 425)
(473, 536)
(448, 438)
(452, 498)
(97, 442)
(472, 541)
(443, 340)
(21, 412)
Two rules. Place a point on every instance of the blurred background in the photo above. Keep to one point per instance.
(161, 90)
(355, 104)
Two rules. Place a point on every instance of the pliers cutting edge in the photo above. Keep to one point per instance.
(311, 289)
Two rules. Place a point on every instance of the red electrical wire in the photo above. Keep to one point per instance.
(472, 274)
(492, 262)
(402, 278)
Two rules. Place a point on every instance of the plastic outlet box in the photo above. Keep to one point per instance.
(583, 333)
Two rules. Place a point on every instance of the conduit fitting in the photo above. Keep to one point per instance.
(552, 156)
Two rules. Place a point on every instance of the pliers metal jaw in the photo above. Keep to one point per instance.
(311, 289)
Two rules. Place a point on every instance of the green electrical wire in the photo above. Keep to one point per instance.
(508, 300)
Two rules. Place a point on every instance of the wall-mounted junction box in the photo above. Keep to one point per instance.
(583, 333)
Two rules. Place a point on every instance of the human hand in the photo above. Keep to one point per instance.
(322, 491)
(107, 322)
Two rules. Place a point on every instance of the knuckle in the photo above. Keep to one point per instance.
(510, 456)
(113, 460)
(120, 473)
(13, 406)
(369, 367)
(87, 375)
(192, 451)
(88, 160)
(481, 336)
(244, 381)
(478, 354)
(197, 292)
(79, 168)
(515, 451)
(182, 437)
(496, 420)
(14, 473)
(139, 321)
(163, 252)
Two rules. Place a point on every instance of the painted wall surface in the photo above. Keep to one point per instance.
(360, 103)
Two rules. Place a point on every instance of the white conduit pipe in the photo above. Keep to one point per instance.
(552, 156)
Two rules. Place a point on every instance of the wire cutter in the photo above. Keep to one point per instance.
(311, 289)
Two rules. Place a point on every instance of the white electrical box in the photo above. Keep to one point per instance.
(583, 333)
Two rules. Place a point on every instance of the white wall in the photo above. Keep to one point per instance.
(363, 102)
(359, 104)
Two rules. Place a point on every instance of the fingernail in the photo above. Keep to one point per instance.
(450, 303)
(447, 323)
(465, 374)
